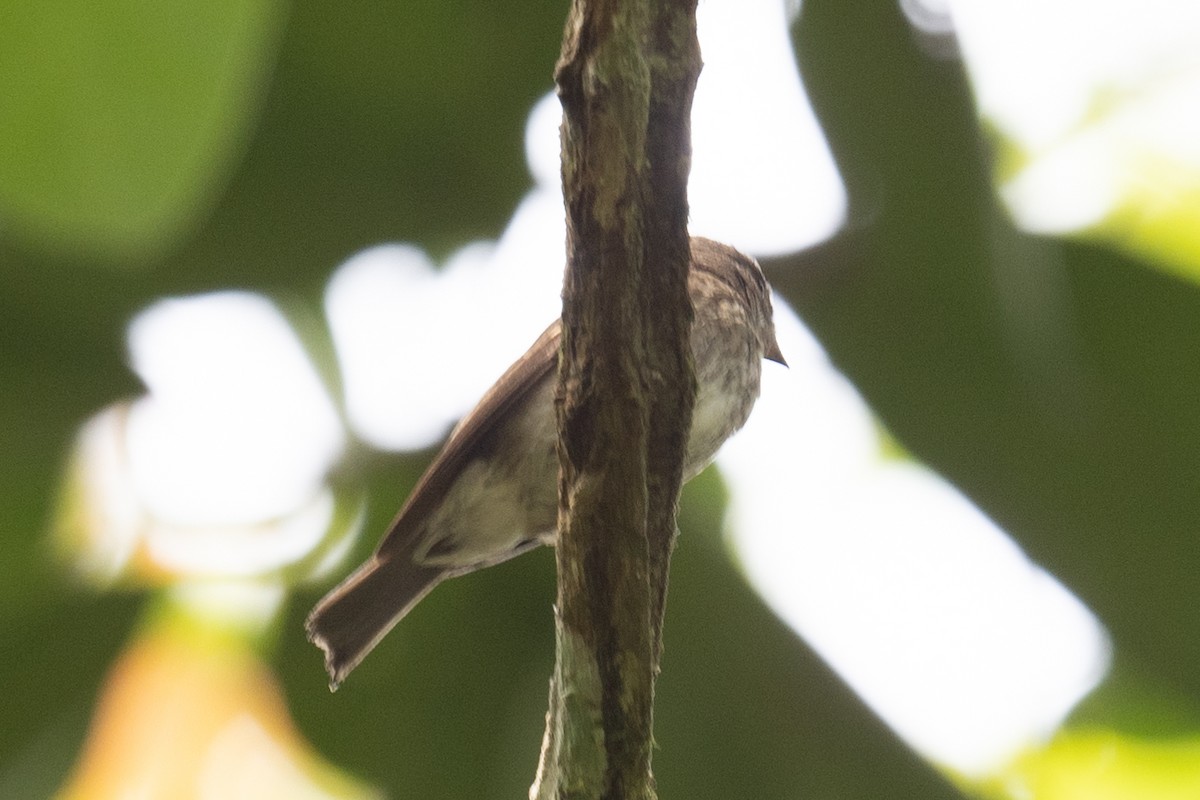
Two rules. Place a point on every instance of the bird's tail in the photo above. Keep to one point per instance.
(351, 619)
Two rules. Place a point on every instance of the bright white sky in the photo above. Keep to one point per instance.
(1102, 95)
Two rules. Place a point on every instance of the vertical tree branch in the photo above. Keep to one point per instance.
(626, 386)
(674, 67)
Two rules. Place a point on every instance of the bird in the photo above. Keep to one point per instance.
(491, 493)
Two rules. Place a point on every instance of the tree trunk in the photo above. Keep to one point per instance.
(626, 386)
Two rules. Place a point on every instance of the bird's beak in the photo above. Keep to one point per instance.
(774, 353)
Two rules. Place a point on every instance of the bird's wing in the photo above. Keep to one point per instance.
(491, 413)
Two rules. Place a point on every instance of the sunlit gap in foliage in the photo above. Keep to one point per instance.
(418, 345)
(1096, 107)
(226, 377)
(219, 469)
(763, 179)
(213, 489)
(928, 610)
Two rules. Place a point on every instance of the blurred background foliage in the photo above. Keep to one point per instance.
(168, 148)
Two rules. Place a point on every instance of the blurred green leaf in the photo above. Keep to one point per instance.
(1103, 765)
(121, 119)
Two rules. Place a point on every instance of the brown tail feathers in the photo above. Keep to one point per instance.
(351, 619)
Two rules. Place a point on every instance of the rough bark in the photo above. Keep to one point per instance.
(626, 387)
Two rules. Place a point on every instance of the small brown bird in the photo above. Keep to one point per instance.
(491, 493)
